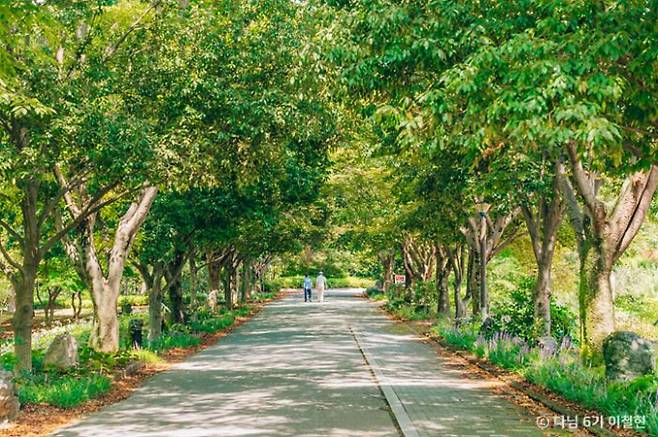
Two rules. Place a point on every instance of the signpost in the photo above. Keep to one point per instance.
(400, 279)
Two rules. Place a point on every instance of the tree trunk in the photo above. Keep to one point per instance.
(176, 301)
(23, 278)
(472, 287)
(387, 264)
(542, 222)
(76, 307)
(175, 287)
(603, 239)
(442, 275)
(155, 307)
(482, 273)
(228, 289)
(193, 285)
(542, 298)
(214, 268)
(595, 298)
(105, 291)
(105, 332)
(244, 284)
(22, 321)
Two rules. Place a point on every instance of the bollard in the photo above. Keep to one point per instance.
(135, 327)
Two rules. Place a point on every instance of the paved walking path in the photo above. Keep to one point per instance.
(297, 369)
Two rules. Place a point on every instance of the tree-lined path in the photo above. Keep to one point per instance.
(297, 369)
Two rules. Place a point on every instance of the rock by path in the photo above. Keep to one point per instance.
(297, 369)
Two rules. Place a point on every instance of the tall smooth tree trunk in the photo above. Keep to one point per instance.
(176, 300)
(542, 298)
(175, 286)
(228, 288)
(193, 285)
(456, 257)
(244, 283)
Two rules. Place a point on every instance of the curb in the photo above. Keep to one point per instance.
(564, 411)
(407, 429)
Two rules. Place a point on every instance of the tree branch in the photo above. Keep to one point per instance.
(111, 50)
(90, 208)
(584, 186)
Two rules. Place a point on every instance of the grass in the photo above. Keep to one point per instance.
(409, 312)
(214, 324)
(174, 340)
(146, 356)
(64, 391)
(565, 375)
(460, 338)
(588, 387)
(73, 387)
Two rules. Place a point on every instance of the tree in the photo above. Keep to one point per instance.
(56, 111)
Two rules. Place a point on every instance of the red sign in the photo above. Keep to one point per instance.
(400, 279)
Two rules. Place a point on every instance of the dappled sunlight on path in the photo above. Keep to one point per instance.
(296, 369)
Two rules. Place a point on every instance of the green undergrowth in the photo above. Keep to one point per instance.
(63, 391)
(92, 377)
(563, 373)
(510, 344)
(133, 300)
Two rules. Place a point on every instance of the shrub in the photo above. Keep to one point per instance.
(515, 315)
(334, 282)
(588, 387)
(133, 300)
(373, 291)
(462, 338)
(214, 324)
(102, 361)
(174, 340)
(506, 351)
(271, 287)
(146, 356)
(63, 392)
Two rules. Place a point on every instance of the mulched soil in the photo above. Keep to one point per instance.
(41, 420)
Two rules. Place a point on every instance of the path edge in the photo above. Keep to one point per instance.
(400, 415)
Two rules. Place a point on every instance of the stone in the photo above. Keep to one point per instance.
(488, 328)
(9, 404)
(62, 352)
(548, 343)
(628, 356)
(212, 300)
(547, 346)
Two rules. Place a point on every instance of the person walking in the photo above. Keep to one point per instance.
(308, 286)
(321, 284)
